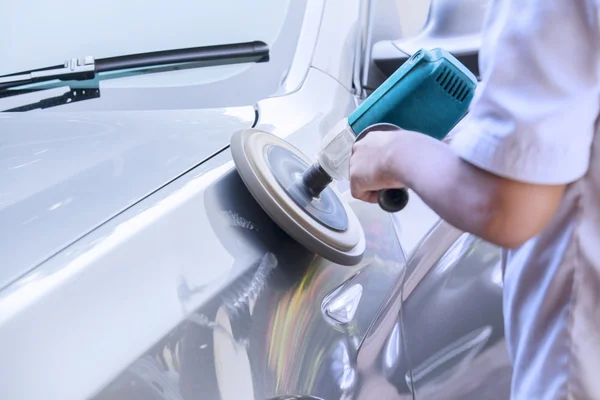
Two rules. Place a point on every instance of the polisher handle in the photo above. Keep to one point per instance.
(392, 200)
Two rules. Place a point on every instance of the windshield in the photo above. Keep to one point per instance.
(42, 34)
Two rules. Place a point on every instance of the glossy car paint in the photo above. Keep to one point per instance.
(64, 175)
(452, 320)
(192, 292)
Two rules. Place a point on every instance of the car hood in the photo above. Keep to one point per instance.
(64, 174)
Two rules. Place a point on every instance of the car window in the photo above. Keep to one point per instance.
(66, 29)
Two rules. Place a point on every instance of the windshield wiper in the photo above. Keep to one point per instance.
(86, 68)
(71, 96)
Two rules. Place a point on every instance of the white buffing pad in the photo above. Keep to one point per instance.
(248, 148)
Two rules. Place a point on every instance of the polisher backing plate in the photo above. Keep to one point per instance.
(287, 168)
(250, 149)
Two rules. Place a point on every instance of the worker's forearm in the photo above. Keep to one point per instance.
(458, 192)
(502, 211)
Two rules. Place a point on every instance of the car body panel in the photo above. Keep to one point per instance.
(153, 266)
(265, 335)
(126, 278)
(58, 169)
(452, 319)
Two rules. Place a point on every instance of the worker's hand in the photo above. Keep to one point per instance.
(373, 166)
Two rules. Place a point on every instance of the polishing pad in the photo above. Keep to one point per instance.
(271, 168)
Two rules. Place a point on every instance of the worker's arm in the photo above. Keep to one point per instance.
(528, 133)
(502, 211)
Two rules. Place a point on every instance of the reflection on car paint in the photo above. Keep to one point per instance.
(392, 349)
(462, 351)
(454, 253)
(264, 335)
(454, 331)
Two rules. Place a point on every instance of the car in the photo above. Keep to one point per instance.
(137, 265)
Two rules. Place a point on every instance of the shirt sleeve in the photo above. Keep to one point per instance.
(534, 112)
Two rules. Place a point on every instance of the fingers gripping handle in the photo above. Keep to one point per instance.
(390, 200)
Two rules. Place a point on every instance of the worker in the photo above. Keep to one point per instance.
(522, 171)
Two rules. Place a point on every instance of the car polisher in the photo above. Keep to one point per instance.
(430, 93)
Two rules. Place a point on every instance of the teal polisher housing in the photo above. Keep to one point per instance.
(430, 93)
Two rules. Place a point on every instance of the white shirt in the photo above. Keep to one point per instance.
(534, 119)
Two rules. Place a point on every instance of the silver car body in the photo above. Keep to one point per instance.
(136, 265)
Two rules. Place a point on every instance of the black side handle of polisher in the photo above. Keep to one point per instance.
(392, 200)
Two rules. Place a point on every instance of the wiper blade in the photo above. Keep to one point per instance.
(72, 96)
(87, 67)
